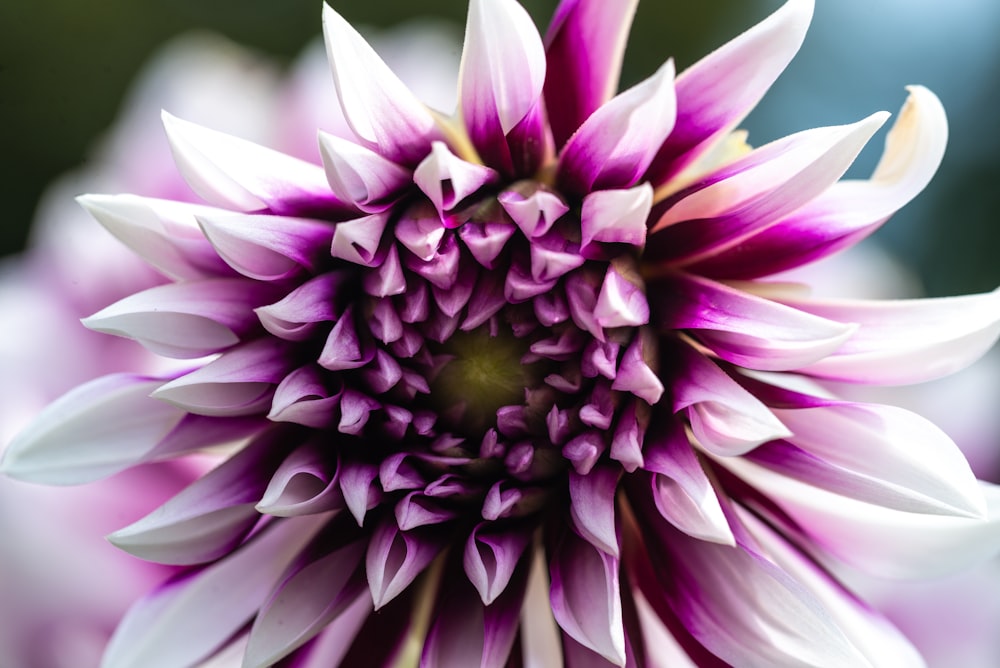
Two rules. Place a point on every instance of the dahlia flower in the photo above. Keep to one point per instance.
(511, 386)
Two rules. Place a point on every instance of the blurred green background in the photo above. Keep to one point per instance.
(64, 66)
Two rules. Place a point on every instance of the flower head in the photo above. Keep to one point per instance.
(511, 377)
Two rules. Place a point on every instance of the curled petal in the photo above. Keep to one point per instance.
(267, 248)
(616, 216)
(98, 429)
(615, 145)
(592, 507)
(360, 176)
(358, 240)
(907, 341)
(236, 174)
(361, 492)
(295, 316)
(396, 557)
(621, 302)
(635, 375)
(584, 46)
(446, 179)
(490, 558)
(185, 320)
(534, 208)
(381, 110)
(717, 92)
(191, 616)
(306, 482)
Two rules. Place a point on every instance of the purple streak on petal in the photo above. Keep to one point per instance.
(717, 92)
(491, 556)
(268, 248)
(163, 233)
(395, 558)
(381, 110)
(236, 174)
(584, 46)
(212, 515)
(585, 596)
(681, 491)
(99, 428)
(501, 78)
(239, 382)
(592, 507)
(742, 328)
(309, 597)
(360, 176)
(190, 617)
(306, 482)
(186, 320)
(615, 145)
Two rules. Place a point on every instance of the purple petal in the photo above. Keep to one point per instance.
(361, 492)
(358, 240)
(585, 597)
(381, 110)
(446, 179)
(294, 317)
(744, 329)
(617, 142)
(98, 429)
(717, 92)
(681, 491)
(304, 397)
(491, 556)
(310, 597)
(239, 382)
(267, 248)
(395, 558)
(306, 482)
(533, 207)
(212, 515)
(584, 47)
(592, 507)
(361, 177)
(621, 302)
(236, 174)
(185, 320)
(188, 618)
(634, 373)
(616, 216)
(486, 240)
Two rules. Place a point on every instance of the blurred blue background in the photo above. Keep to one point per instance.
(64, 66)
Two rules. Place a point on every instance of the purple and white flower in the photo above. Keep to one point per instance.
(511, 385)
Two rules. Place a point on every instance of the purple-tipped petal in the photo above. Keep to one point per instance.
(209, 517)
(616, 216)
(592, 507)
(310, 597)
(501, 79)
(446, 179)
(361, 177)
(617, 142)
(185, 320)
(295, 316)
(192, 616)
(395, 558)
(717, 92)
(163, 233)
(93, 431)
(584, 47)
(267, 248)
(236, 174)
(750, 331)
(381, 110)
(585, 597)
(490, 558)
(240, 382)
